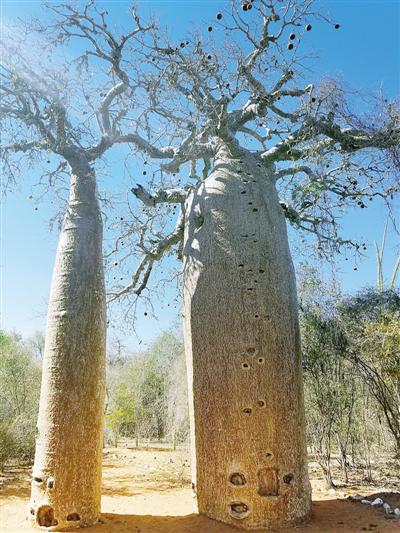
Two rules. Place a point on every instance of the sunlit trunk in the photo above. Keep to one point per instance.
(243, 350)
(67, 469)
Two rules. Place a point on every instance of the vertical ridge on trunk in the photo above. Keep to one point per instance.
(243, 350)
(66, 484)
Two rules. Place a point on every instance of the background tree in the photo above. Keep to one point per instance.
(147, 393)
(371, 322)
(244, 144)
(19, 395)
(38, 114)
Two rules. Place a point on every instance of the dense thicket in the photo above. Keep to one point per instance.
(147, 393)
(351, 359)
(19, 395)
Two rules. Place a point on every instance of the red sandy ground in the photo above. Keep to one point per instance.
(148, 491)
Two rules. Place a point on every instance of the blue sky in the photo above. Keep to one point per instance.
(364, 52)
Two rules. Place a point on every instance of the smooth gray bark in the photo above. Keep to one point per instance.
(243, 350)
(66, 484)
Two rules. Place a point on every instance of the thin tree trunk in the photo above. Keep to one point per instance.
(243, 350)
(67, 470)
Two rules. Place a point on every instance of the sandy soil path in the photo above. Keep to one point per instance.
(147, 491)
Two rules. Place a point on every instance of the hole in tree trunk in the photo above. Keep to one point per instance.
(73, 517)
(32, 510)
(50, 484)
(268, 482)
(38, 479)
(288, 479)
(251, 350)
(247, 411)
(245, 366)
(261, 360)
(45, 516)
(239, 510)
(237, 479)
(261, 403)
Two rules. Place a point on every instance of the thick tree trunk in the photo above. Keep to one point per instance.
(243, 350)
(67, 469)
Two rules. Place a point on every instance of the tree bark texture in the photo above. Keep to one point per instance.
(66, 484)
(243, 350)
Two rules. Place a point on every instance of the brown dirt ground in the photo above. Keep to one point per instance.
(148, 491)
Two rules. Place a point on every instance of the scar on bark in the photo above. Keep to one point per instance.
(239, 510)
(73, 517)
(45, 516)
(237, 479)
(267, 482)
(288, 478)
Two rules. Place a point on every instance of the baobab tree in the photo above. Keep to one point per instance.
(44, 110)
(255, 148)
(252, 147)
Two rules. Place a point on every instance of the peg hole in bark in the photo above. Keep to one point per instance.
(256, 316)
(45, 516)
(240, 265)
(239, 510)
(237, 479)
(261, 360)
(261, 271)
(250, 203)
(247, 411)
(261, 403)
(38, 480)
(243, 192)
(288, 478)
(250, 289)
(32, 511)
(50, 484)
(267, 482)
(251, 350)
(245, 366)
(255, 210)
(73, 517)
(269, 455)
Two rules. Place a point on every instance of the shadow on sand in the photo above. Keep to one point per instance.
(330, 516)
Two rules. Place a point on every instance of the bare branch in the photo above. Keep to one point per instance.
(171, 196)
